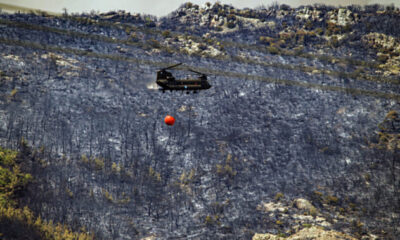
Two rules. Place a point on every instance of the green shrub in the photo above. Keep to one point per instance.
(266, 40)
(13, 92)
(317, 197)
(383, 58)
(307, 225)
(98, 164)
(166, 34)
(278, 196)
(85, 159)
(24, 225)
(189, 5)
(154, 175)
(133, 37)
(69, 192)
(358, 228)
(281, 235)
(226, 170)
(128, 30)
(11, 178)
(332, 200)
(150, 24)
(392, 115)
(367, 177)
(209, 220)
(125, 200)
(332, 29)
(309, 25)
(107, 195)
(115, 168)
(353, 206)
(319, 31)
(298, 50)
(313, 211)
(342, 210)
(387, 140)
(21, 222)
(273, 50)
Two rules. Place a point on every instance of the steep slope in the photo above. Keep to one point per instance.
(299, 118)
(20, 223)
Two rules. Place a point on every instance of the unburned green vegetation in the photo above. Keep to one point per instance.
(21, 222)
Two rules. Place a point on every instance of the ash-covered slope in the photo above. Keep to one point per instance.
(292, 110)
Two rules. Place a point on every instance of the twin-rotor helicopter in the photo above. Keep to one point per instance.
(167, 81)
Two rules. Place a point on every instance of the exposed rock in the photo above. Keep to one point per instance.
(309, 14)
(255, 23)
(12, 57)
(303, 218)
(149, 238)
(213, 52)
(341, 17)
(312, 233)
(303, 204)
(191, 47)
(265, 236)
(271, 207)
(318, 233)
(389, 51)
(381, 41)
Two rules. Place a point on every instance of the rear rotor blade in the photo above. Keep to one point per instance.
(196, 72)
(172, 66)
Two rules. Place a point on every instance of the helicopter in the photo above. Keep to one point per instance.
(167, 81)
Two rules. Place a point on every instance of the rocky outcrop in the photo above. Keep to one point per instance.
(383, 42)
(312, 233)
(342, 17)
(388, 51)
(303, 204)
(309, 14)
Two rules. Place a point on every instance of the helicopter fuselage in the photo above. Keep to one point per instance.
(187, 84)
(167, 82)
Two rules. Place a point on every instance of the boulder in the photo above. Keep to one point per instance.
(303, 204)
(307, 233)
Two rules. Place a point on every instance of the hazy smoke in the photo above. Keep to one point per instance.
(162, 7)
